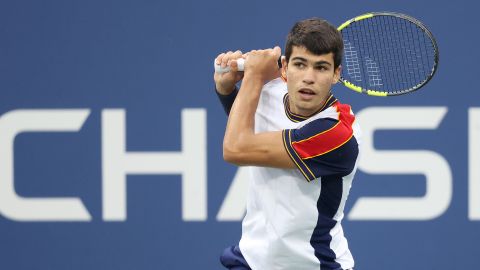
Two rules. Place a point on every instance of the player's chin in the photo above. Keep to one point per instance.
(309, 106)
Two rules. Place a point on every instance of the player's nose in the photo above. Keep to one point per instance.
(308, 76)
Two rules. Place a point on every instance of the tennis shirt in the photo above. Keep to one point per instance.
(293, 218)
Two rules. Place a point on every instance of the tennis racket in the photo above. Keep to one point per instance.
(385, 54)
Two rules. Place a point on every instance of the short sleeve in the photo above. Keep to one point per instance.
(325, 146)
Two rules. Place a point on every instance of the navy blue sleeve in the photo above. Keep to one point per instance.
(324, 147)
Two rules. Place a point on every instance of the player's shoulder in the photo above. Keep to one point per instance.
(326, 144)
(337, 119)
(336, 111)
(275, 85)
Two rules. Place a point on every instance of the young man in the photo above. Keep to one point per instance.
(292, 131)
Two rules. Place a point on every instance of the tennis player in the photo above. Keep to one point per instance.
(302, 144)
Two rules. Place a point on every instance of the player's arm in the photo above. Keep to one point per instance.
(241, 145)
(322, 147)
(225, 83)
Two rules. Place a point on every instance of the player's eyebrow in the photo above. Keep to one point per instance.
(318, 63)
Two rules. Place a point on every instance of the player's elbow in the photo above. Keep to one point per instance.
(233, 153)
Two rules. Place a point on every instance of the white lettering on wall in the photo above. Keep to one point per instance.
(19, 208)
(234, 206)
(190, 162)
(474, 163)
(428, 163)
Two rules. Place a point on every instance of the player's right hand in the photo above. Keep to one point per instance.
(263, 64)
(225, 82)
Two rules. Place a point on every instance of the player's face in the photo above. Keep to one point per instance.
(309, 80)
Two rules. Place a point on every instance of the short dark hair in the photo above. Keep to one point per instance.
(317, 36)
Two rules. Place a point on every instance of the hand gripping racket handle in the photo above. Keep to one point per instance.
(220, 69)
(241, 65)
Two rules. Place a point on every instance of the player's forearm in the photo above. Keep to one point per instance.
(239, 134)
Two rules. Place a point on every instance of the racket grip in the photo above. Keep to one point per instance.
(220, 69)
(241, 65)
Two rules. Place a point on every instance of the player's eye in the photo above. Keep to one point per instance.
(322, 68)
(299, 64)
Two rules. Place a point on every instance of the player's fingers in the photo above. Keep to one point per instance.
(233, 57)
(233, 65)
(218, 59)
(237, 54)
(277, 52)
(251, 53)
(225, 58)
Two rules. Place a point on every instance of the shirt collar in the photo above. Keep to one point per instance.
(299, 118)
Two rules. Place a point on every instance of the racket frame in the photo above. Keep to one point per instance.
(371, 92)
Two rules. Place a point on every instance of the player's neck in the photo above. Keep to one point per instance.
(306, 112)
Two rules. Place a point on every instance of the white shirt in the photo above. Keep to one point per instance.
(293, 222)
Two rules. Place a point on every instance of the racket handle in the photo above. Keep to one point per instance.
(241, 65)
(220, 69)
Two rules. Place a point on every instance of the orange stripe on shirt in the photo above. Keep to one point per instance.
(329, 140)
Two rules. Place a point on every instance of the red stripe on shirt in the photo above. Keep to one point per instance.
(328, 140)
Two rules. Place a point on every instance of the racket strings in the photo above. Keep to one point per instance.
(387, 53)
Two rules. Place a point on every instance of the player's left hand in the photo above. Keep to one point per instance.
(263, 64)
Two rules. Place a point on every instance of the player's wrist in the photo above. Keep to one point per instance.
(225, 90)
(255, 78)
(253, 84)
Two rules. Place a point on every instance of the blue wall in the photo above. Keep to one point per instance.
(152, 60)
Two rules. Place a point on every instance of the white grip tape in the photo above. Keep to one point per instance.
(220, 69)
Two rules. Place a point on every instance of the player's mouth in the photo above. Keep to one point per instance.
(306, 93)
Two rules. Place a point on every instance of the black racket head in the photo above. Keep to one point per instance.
(387, 54)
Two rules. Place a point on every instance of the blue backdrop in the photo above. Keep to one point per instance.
(94, 92)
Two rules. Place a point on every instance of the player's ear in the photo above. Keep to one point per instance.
(284, 69)
(336, 74)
